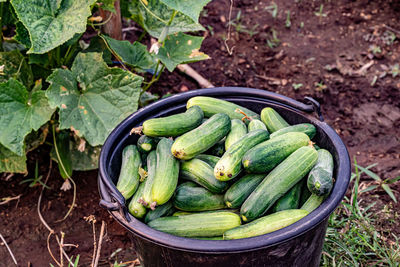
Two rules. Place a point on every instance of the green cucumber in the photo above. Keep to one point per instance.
(190, 198)
(181, 213)
(290, 200)
(316, 147)
(238, 129)
(218, 149)
(230, 164)
(164, 210)
(210, 159)
(305, 193)
(265, 156)
(174, 125)
(320, 180)
(306, 128)
(167, 173)
(212, 106)
(145, 143)
(241, 189)
(266, 224)
(256, 125)
(128, 180)
(193, 143)
(200, 172)
(135, 207)
(278, 182)
(151, 171)
(312, 203)
(273, 120)
(197, 225)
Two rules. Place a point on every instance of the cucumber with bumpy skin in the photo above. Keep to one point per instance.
(240, 190)
(320, 180)
(238, 129)
(151, 171)
(167, 173)
(266, 155)
(266, 224)
(306, 128)
(145, 143)
(174, 125)
(278, 182)
(135, 207)
(193, 198)
(197, 225)
(164, 210)
(198, 140)
(128, 180)
(210, 159)
(200, 172)
(273, 120)
(230, 164)
(256, 125)
(290, 200)
(212, 106)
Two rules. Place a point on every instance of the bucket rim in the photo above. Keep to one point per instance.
(109, 193)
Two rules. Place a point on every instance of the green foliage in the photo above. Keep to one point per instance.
(13, 65)
(93, 98)
(155, 17)
(11, 162)
(180, 48)
(191, 9)
(21, 112)
(82, 99)
(52, 23)
(36, 180)
(135, 55)
(352, 237)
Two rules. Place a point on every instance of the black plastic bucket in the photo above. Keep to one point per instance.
(299, 244)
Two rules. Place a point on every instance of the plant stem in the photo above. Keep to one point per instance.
(154, 78)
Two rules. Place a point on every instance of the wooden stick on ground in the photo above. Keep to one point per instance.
(9, 250)
(103, 225)
(203, 82)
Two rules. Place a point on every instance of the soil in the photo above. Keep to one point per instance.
(343, 56)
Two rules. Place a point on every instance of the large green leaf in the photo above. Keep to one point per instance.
(191, 9)
(11, 162)
(13, 65)
(181, 48)
(135, 54)
(92, 97)
(154, 16)
(53, 22)
(20, 113)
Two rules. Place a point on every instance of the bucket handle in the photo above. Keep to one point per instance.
(316, 106)
(116, 203)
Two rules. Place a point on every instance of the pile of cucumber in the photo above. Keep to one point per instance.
(221, 171)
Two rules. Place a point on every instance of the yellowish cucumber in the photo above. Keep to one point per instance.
(266, 224)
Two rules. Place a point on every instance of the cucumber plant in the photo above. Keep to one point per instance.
(53, 81)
